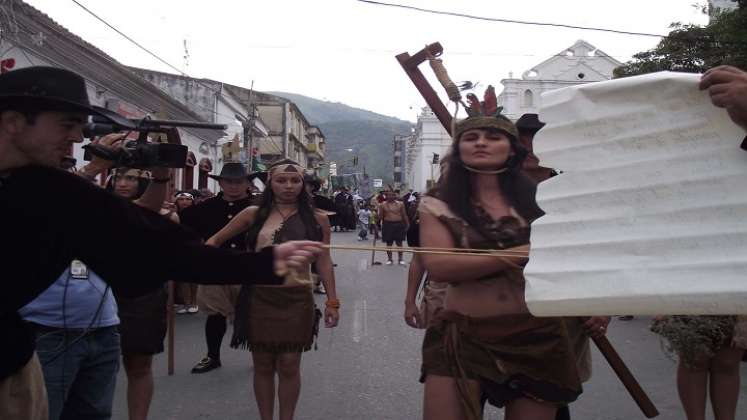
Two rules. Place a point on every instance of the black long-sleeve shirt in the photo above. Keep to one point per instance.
(49, 217)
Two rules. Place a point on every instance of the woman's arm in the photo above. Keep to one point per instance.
(414, 277)
(240, 223)
(455, 268)
(327, 273)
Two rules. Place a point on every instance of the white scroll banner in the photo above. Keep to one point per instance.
(649, 214)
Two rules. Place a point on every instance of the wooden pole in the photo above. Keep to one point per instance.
(373, 251)
(410, 66)
(170, 322)
(626, 377)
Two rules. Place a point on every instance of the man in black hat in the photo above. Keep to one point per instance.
(42, 112)
(528, 125)
(207, 218)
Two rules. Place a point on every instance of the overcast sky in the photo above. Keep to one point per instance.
(343, 50)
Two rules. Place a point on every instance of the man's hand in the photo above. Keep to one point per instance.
(110, 141)
(596, 326)
(295, 254)
(727, 87)
(412, 315)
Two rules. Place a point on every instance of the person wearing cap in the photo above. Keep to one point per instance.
(183, 199)
(186, 293)
(206, 219)
(42, 113)
(727, 88)
(579, 328)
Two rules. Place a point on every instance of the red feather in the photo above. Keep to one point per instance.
(474, 105)
(490, 104)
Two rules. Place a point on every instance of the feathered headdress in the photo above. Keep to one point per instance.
(485, 114)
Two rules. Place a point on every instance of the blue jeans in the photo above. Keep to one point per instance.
(80, 382)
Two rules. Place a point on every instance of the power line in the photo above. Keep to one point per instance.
(519, 22)
(129, 39)
(154, 55)
(556, 25)
(183, 73)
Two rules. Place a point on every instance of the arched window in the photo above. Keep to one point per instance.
(528, 98)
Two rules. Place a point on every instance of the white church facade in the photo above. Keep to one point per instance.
(579, 63)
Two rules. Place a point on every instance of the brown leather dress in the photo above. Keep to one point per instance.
(512, 356)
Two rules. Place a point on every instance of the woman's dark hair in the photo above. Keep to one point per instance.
(305, 211)
(142, 184)
(517, 188)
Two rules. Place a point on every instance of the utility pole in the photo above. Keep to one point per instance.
(250, 149)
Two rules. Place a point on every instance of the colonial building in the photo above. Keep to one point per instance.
(31, 38)
(424, 148)
(290, 134)
(399, 147)
(211, 101)
(577, 64)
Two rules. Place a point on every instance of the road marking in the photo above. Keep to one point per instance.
(360, 320)
(357, 321)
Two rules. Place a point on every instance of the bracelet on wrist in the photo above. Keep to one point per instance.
(332, 303)
(160, 180)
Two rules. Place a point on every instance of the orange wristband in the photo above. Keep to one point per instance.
(333, 303)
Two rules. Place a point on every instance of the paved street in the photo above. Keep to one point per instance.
(368, 367)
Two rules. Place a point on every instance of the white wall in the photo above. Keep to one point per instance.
(579, 63)
(430, 138)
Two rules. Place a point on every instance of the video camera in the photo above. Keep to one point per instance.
(140, 153)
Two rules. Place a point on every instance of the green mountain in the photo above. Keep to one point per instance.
(369, 134)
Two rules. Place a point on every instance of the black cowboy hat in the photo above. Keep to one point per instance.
(40, 88)
(262, 175)
(529, 123)
(232, 170)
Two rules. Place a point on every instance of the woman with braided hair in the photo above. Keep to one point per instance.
(484, 344)
(278, 323)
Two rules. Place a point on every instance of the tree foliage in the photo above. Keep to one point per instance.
(694, 49)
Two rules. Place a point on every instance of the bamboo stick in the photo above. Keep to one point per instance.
(445, 251)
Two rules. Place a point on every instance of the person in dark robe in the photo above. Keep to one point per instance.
(207, 218)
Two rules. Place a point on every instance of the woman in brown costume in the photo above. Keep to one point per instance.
(278, 323)
(709, 349)
(485, 345)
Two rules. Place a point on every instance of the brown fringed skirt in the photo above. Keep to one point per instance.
(282, 319)
(511, 356)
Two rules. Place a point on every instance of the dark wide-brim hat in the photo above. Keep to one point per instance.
(232, 170)
(41, 88)
(529, 123)
(261, 175)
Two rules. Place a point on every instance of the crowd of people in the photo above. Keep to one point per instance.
(94, 286)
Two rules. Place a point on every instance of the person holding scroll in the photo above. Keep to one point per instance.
(485, 342)
(278, 323)
(727, 87)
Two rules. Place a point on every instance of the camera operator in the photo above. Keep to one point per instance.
(42, 112)
(77, 339)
